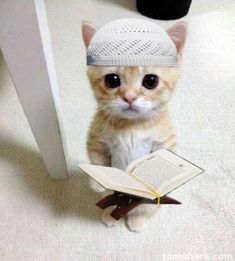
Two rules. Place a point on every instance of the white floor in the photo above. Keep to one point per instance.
(42, 219)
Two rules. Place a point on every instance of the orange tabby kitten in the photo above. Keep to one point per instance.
(132, 118)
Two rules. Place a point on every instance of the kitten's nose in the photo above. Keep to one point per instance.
(129, 97)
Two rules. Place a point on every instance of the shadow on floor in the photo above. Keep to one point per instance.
(4, 76)
(64, 197)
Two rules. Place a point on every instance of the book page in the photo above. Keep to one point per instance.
(112, 178)
(156, 171)
(163, 170)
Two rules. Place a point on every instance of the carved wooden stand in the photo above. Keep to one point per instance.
(126, 203)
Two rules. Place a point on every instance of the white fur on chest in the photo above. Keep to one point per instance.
(126, 147)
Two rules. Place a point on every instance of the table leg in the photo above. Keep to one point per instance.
(26, 47)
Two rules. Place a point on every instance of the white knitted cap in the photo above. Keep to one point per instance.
(129, 42)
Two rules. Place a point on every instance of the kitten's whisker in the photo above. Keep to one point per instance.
(102, 108)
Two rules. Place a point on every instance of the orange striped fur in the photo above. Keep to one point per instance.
(158, 126)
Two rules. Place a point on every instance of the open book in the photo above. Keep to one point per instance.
(151, 177)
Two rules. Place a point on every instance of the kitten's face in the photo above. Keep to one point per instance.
(132, 92)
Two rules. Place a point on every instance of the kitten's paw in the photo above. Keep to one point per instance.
(107, 219)
(136, 223)
(96, 186)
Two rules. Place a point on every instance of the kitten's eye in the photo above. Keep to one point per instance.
(112, 80)
(150, 81)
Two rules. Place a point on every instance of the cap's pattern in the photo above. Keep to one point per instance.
(129, 42)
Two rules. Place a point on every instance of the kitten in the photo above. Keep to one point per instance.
(132, 118)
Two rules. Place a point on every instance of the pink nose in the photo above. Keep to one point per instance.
(129, 97)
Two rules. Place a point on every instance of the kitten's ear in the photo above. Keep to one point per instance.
(88, 30)
(178, 34)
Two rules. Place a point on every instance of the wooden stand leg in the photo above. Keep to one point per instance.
(125, 203)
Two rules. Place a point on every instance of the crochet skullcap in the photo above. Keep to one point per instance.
(129, 42)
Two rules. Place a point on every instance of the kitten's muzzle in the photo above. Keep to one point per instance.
(129, 101)
(129, 97)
